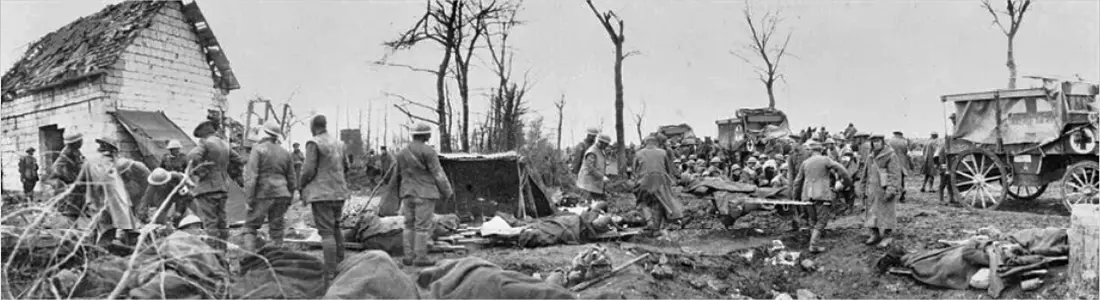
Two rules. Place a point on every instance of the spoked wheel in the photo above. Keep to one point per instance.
(979, 179)
(1026, 192)
(1081, 184)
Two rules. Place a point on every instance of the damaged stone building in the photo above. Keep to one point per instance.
(143, 72)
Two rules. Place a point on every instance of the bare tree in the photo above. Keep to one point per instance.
(639, 117)
(473, 25)
(437, 25)
(560, 105)
(507, 105)
(761, 45)
(617, 38)
(1015, 10)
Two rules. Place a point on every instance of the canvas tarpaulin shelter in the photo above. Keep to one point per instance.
(485, 184)
(151, 132)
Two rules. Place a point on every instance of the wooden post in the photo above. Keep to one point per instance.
(997, 109)
(1084, 249)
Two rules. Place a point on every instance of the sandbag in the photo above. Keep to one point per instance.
(476, 278)
(371, 275)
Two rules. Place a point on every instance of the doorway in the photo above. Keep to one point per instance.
(51, 140)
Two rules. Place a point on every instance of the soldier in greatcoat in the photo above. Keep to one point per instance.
(883, 175)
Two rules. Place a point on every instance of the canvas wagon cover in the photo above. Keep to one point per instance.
(1024, 120)
(767, 123)
(1027, 116)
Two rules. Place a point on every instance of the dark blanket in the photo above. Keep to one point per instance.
(949, 267)
(371, 275)
(476, 278)
(560, 229)
(279, 274)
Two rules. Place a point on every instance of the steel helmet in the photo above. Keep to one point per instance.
(188, 221)
(605, 138)
(174, 144)
(73, 137)
(159, 176)
(421, 129)
(272, 128)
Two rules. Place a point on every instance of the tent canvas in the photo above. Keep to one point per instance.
(151, 131)
(485, 184)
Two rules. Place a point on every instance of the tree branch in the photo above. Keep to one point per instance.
(411, 68)
(996, 18)
(605, 20)
(415, 117)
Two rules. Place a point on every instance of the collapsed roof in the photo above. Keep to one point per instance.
(89, 46)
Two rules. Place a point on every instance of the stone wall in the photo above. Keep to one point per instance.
(80, 107)
(165, 69)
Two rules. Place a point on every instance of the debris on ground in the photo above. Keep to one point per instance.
(804, 294)
(588, 265)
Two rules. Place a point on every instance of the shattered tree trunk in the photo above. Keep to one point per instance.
(1011, 63)
(620, 131)
(1084, 249)
(441, 109)
(771, 93)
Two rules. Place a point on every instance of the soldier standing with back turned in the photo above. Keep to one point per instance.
(324, 189)
(421, 182)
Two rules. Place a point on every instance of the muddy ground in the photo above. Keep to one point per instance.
(709, 261)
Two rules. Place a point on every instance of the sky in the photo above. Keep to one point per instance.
(881, 65)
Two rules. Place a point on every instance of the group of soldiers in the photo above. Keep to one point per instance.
(651, 167)
(117, 194)
(832, 172)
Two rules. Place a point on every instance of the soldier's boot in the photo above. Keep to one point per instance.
(339, 237)
(886, 240)
(874, 238)
(422, 259)
(815, 234)
(328, 251)
(408, 247)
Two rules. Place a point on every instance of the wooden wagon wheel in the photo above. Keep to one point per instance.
(979, 179)
(1026, 192)
(1080, 184)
